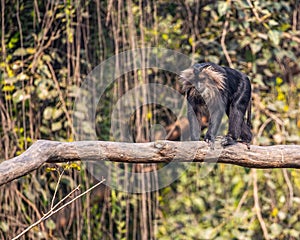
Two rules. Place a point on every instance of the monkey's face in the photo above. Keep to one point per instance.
(193, 79)
(203, 82)
(203, 79)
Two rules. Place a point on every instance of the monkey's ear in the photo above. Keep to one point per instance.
(197, 68)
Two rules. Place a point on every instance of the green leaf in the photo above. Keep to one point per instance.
(57, 113)
(256, 46)
(283, 53)
(284, 27)
(276, 229)
(274, 36)
(47, 114)
(30, 50)
(46, 58)
(22, 76)
(259, 80)
(20, 52)
(51, 169)
(272, 22)
(13, 40)
(8, 88)
(50, 224)
(222, 8)
(262, 35)
(4, 226)
(75, 166)
(44, 130)
(56, 126)
(19, 95)
(165, 36)
(279, 81)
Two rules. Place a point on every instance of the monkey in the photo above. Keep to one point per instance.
(220, 89)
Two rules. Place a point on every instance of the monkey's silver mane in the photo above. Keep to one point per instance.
(217, 77)
(213, 82)
(187, 76)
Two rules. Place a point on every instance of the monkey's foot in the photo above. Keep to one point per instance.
(211, 144)
(210, 141)
(227, 141)
(248, 145)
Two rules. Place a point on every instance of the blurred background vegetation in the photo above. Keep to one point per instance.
(48, 48)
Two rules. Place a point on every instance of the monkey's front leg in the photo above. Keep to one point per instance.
(194, 122)
(213, 127)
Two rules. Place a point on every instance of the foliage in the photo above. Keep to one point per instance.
(49, 47)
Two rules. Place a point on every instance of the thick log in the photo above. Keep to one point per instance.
(42, 151)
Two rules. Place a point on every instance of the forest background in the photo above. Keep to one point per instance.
(47, 50)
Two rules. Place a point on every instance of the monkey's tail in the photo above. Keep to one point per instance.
(249, 113)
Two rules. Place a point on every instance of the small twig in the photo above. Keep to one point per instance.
(46, 215)
(68, 195)
(52, 211)
(254, 11)
(241, 202)
(263, 126)
(31, 205)
(257, 206)
(56, 188)
(290, 36)
(290, 187)
(223, 44)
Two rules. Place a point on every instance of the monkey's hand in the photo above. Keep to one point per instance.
(227, 141)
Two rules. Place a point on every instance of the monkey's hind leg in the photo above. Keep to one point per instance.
(246, 134)
(236, 121)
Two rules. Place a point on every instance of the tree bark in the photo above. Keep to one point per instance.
(42, 151)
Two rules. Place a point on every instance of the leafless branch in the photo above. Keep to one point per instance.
(44, 151)
(56, 209)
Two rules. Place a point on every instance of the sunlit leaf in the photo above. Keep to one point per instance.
(57, 112)
(165, 36)
(256, 46)
(47, 114)
(30, 50)
(274, 36)
(51, 169)
(8, 88)
(274, 212)
(272, 22)
(22, 76)
(284, 27)
(13, 40)
(4, 226)
(19, 96)
(222, 7)
(50, 224)
(20, 52)
(56, 126)
(276, 229)
(75, 166)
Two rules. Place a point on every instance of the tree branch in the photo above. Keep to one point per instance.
(279, 156)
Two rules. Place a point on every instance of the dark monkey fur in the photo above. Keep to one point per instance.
(220, 89)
